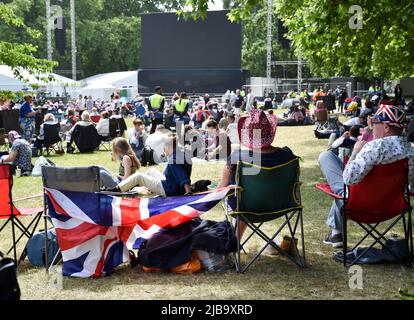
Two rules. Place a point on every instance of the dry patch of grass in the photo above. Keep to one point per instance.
(269, 278)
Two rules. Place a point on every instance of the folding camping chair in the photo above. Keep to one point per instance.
(13, 214)
(79, 179)
(53, 140)
(267, 195)
(116, 129)
(4, 145)
(380, 197)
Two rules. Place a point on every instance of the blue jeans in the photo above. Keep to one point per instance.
(107, 179)
(332, 168)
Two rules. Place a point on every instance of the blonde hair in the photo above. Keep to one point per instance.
(49, 117)
(123, 145)
(85, 116)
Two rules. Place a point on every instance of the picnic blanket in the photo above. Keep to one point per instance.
(95, 231)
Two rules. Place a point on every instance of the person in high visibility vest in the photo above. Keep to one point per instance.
(181, 106)
(156, 106)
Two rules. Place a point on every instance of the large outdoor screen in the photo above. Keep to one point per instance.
(168, 43)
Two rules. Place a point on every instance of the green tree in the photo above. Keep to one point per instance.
(320, 30)
(19, 55)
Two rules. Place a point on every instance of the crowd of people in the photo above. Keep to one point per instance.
(207, 128)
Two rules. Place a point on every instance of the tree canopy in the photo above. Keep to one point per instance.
(108, 34)
(15, 54)
(320, 30)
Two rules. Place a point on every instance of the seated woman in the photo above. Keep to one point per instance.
(254, 148)
(20, 154)
(128, 164)
(85, 121)
(176, 178)
(103, 126)
(48, 119)
(137, 137)
(218, 144)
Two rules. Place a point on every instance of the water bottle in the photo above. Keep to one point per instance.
(18, 172)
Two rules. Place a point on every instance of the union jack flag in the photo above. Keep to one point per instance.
(95, 231)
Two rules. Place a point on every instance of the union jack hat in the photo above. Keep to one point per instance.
(391, 115)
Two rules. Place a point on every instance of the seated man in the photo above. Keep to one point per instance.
(387, 146)
(356, 121)
(343, 145)
(176, 178)
(20, 154)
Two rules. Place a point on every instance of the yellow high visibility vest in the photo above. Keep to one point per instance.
(156, 100)
(180, 106)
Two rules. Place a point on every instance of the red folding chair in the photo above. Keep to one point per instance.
(13, 215)
(381, 196)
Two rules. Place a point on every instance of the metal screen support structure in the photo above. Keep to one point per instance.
(73, 38)
(269, 40)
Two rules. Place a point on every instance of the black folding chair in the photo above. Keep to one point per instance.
(52, 139)
(78, 179)
(4, 144)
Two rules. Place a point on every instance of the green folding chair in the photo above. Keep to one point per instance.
(267, 195)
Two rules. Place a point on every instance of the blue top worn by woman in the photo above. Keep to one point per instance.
(25, 109)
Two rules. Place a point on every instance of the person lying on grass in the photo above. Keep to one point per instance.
(176, 179)
(128, 164)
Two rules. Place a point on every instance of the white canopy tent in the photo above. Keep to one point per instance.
(56, 85)
(99, 90)
(118, 80)
(8, 83)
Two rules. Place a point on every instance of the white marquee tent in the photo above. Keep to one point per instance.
(114, 80)
(58, 84)
(99, 90)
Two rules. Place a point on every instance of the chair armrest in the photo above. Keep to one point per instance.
(325, 188)
(29, 197)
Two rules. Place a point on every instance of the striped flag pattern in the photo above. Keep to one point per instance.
(95, 231)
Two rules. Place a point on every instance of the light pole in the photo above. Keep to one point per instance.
(49, 31)
(73, 38)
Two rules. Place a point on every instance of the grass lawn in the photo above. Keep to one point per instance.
(269, 278)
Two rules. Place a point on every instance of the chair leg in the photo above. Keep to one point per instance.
(302, 235)
(410, 236)
(14, 238)
(238, 264)
(345, 238)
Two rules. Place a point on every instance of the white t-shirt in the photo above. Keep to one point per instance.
(103, 127)
(352, 122)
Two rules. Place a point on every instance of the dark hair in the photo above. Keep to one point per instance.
(211, 124)
(354, 131)
(172, 138)
(105, 115)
